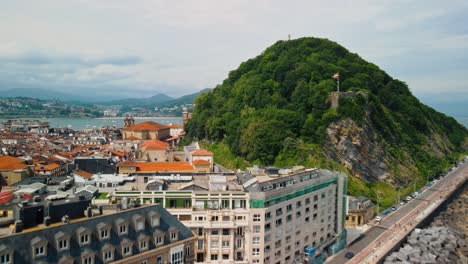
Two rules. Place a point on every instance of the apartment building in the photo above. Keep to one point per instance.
(134, 236)
(293, 211)
(257, 216)
(214, 207)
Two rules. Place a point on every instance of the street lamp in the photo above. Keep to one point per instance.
(378, 202)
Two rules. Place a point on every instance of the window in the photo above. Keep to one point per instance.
(307, 201)
(122, 229)
(256, 218)
(279, 222)
(143, 244)
(104, 233)
(39, 251)
(256, 240)
(225, 243)
(289, 207)
(298, 204)
(84, 239)
(226, 218)
(140, 225)
(144, 261)
(226, 232)
(159, 260)
(200, 244)
(279, 211)
(239, 243)
(63, 244)
(159, 240)
(256, 229)
(5, 259)
(173, 236)
(187, 251)
(225, 256)
(214, 218)
(289, 218)
(267, 216)
(214, 232)
(177, 257)
(214, 257)
(108, 256)
(88, 260)
(126, 250)
(256, 251)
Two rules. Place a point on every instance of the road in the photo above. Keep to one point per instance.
(399, 223)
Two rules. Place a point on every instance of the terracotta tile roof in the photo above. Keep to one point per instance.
(11, 163)
(164, 166)
(200, 162)
(154, 144)
(127, 163)
(202, 152)
(48, 167)
(175, 126)
(148, 125)
(131, 138)
(84, 174)
(117, 153)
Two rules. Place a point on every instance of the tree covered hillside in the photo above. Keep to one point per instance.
(275, 109)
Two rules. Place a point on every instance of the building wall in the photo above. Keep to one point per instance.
(222, 230)
(164, 253)
(12, 177)
(126, 170)
(154, 155)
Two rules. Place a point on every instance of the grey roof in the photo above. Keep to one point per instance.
(21, 242)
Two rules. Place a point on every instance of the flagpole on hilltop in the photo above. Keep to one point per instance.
(338, 84)
(337, 77)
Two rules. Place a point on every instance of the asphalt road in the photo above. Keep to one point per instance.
(389, 221)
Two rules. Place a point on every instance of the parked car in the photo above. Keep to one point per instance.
(402, 203)
(393, 208)
(378, 218)
(408, 198)
(349, 255)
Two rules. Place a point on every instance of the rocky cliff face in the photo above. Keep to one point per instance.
(358, 149)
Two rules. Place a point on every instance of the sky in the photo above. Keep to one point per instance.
(139, 48)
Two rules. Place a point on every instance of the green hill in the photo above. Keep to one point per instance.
(275, 109)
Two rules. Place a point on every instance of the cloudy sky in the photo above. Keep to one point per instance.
(138, 48)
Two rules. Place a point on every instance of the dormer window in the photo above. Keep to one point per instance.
(139, 222)
(6, 255)
(143, 242)
(87, 257)
(173, 233)
(103, 231)
(122, 226)
(154, 219)
(127, 247)
(63, 241)
(84, 236)
(158, 238)
(39, 247)
(108, 253)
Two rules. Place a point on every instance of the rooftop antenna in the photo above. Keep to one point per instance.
(289, 36)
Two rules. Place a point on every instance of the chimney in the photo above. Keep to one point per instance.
(18, 226)
(47, 220)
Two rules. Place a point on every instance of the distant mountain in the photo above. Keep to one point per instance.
(186, 99)
(43, 94)
(154, 100)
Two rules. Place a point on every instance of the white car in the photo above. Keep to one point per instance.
(378, 218)
(408, 198)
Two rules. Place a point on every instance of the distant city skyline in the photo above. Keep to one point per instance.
(137, 49)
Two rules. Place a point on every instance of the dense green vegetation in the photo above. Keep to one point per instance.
(274, 109)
